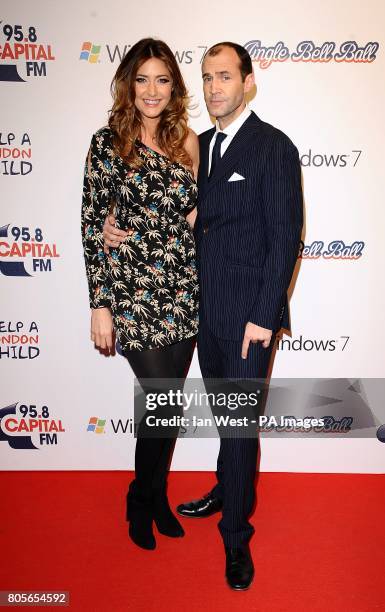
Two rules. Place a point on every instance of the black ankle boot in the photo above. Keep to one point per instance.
(164, 518)
(140, 515)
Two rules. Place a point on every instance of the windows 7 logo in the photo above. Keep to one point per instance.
(96, 425)
(90, 52)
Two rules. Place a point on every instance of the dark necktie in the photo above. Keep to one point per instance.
(216, 155)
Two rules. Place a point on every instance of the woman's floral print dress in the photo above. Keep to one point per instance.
(150, 281)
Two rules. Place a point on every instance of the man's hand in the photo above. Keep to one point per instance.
(101, 328)
(112, 236)
(254, 333)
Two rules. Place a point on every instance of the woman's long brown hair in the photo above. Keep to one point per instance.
(125, 120)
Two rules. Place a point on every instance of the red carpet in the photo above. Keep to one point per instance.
(319, 545)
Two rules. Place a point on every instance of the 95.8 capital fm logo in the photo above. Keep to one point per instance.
(22, 54)
(29, 426)
(24, 251)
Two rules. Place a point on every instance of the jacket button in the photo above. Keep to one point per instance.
(205, 230)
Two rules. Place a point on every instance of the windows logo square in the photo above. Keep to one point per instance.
(96, 425)
(90, 52)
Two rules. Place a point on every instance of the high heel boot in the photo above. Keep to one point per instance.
(139, 513)
(164, 518)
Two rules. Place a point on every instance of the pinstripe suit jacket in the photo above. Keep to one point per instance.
(248, 231)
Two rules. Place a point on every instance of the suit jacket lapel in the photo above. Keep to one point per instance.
(244, 138)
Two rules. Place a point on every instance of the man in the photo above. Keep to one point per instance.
(247, 231)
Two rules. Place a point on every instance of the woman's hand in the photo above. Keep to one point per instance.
(102, 328)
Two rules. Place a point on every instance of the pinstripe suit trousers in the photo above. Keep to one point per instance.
(237, 459)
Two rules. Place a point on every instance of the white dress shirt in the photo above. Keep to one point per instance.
(230, 132)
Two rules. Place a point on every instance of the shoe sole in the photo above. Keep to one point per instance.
(240, 588)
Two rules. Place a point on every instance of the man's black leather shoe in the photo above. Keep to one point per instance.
(200, 508)
(239, 568)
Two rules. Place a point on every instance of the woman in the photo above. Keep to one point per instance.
(143, 166)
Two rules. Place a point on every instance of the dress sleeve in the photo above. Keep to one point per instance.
(97, 188)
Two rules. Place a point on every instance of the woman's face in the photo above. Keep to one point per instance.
(153, 86)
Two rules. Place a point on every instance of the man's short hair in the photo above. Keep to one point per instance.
(246, 66)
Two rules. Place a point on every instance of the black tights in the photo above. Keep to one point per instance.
(153, 455)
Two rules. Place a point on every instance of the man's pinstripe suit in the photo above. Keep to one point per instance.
(247, 234)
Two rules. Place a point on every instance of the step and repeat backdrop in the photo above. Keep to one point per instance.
(320, 78)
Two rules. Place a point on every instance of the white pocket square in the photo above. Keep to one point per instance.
(236, 177)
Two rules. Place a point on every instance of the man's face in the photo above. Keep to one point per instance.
(223, 88)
